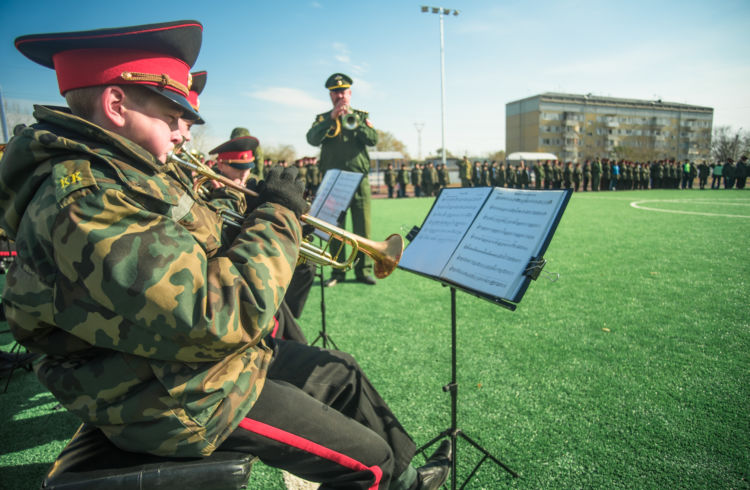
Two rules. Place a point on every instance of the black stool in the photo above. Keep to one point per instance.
(90, 461)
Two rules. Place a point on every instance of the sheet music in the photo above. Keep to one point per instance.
(508, 231)
(334, 195)
(323, 189)
(445, 226)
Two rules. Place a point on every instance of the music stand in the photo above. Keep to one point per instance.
(333, 198)
(323, 335)
(487, 242)
(454, 432)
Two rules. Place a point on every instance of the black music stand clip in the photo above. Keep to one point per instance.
(534, 268)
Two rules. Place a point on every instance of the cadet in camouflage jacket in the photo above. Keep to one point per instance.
(109, 218)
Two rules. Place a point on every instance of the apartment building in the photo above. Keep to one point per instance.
(579, 127)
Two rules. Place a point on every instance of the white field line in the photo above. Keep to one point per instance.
(639, 205)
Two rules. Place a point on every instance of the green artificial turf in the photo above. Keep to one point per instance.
(629, 371)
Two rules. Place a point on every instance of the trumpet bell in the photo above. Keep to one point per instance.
(387, 256)
(350, 121)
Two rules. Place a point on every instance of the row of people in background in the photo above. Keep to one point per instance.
(604, 174)
(307, 167)
(426, 178)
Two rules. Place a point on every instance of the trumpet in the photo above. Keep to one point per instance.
(385, 254)
(349, 121)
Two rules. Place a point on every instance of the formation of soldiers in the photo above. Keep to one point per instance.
(426, 179)
(593, 175)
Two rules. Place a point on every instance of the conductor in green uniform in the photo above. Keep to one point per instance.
(343, 135)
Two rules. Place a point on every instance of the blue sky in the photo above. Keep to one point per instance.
(267, 60)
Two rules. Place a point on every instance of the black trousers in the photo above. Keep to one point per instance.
(320, 418)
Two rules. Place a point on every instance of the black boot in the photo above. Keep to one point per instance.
(435, 471)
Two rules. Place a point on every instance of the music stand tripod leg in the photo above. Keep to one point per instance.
(454, 432)
(322, 335)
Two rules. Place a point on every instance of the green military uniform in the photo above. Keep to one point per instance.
(416, 180)
(389, 178)
(313, 178)
(577, 174)
(586, 175)
(606, 174)
(499, 176)
(741, 172)
(464, 172)
(557, 175)
(626, 177)
(567, 176)
(596, 173)
(347, 150)
(523, 177)
(547, 175)
(510, 176)
(486, 179)
(729, 171)
(538, 175)
(403, 180)
(428, 185)
(444, 176)
(657, 175)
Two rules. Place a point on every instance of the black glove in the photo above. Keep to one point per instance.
(307, 230)
(281, 186)
(252, 202)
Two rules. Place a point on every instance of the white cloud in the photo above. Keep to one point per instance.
(290, 97)
(341, 52)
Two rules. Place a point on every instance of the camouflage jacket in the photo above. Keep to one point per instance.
(150, 325)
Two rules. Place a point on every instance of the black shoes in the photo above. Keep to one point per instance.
(367, 280)
(330, 283)
(436, 469)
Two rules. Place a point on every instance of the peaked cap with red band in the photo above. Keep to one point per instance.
(198, 79)
(198, 84)
(156, 56)
(237, 152)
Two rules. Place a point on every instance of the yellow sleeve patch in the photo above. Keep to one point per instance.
(70, 176)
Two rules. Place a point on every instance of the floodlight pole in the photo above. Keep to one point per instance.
(440, 11)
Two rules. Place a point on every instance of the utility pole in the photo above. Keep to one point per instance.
(2, 117)
(419, 127)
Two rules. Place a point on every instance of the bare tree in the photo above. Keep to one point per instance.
(198, 135)
(439, 154)
(388, 142)
(280, 152)
(16, 114)
(497, 156)
(639, 149)
(728, 143)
